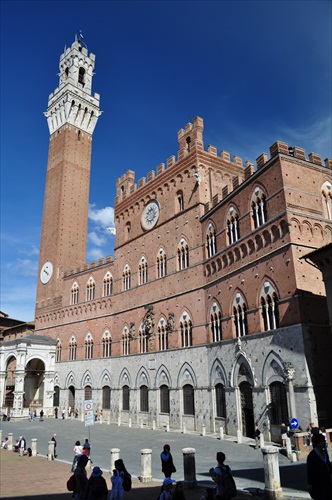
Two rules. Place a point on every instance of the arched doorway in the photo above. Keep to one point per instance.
(71, 397)
(56, 396)
(247, 409)
(34, 384)
(10, 383)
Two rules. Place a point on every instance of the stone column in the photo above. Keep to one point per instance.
(203, 430)
(34, 447)
(239, 436)
(221, 433)
(50, 454)
(289, 371)
(129, 422)
(272, 489)
(167, 427)
(146, 471)
(10, 441)
(189, 468)
(261, 440)
(115, 455)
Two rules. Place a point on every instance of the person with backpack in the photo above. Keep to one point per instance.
(121, 480)
(97, 487)
(80, 478)
(222, 476)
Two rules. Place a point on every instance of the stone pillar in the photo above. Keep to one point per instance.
(141, 423)
(119, 420)
(34, 447)
(203, 430)
(184, 429)
(272, 489)
(261, 440)
(10, 441)
(167, 427)
(129, 422)
(50, 454)
(146, 471)
(115, 455)
(221, 431)
(189, 468)
(153, 425)
(239, 436)
(289, 371)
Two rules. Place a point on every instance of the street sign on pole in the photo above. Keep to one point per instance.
(294, 423)
(88, 413)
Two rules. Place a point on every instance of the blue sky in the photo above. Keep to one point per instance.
(255, 71)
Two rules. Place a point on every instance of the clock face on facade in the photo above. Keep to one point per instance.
(46, 272)
(150, 214)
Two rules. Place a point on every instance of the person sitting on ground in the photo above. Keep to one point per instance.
(4, 444)
(257, 433)
(15, 445)
(81, 479)
(166, 494)
(97, 487)
(78, 450)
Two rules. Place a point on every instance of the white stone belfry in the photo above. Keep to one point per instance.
(72, 101)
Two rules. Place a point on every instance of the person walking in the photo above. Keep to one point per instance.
(56, 412)
(81, 479)
(283, 434)
(319, 470)
(78, 451)
(167, 465)
(41, 416)
(222, 476)
(63, 413)
(257, 433)
(96, 488)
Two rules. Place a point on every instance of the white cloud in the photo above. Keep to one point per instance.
(102, 217)
(316, 138)
(97, 239)
(95, 254)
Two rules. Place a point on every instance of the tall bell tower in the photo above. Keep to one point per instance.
(72, 114)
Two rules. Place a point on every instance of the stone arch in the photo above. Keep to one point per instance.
(218, 374)
(70, 380)
(242, 371)
(87, 379)
(163, 377)
(186, 376)
(105, 378)
(273, 369)
(142, 378)
(124, 378)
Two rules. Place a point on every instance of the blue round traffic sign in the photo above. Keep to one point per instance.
(294, 423)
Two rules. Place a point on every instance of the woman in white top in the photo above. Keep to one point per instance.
(78, 450)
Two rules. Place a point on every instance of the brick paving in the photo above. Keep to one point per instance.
(35, 478)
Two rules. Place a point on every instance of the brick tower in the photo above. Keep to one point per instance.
(72, 114)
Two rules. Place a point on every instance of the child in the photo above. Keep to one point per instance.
(117, 480)
(166, 494)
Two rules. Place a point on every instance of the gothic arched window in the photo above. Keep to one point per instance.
(107, 345)
(240, 315)
(269, 303)
(233, 227)
(183, 255)
(126, 278)
(215, 318)
(88, 343)
(74, 294)
(211, 241)
(90, 289)
(107, 285)
(259, 209)
(186, 330)
(143, 271)
(161, 263)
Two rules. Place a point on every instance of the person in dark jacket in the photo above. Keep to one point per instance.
(167, 465)
(97, 487)
(81, 479)
(319, 470)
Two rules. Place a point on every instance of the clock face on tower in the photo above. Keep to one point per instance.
(46, 272)
(150, 214)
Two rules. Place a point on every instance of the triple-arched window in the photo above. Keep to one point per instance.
(258, 205)
(215, 318)
(240, 315)
(183, 255)
(269, 303)
(233, 227)
(211, 245)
